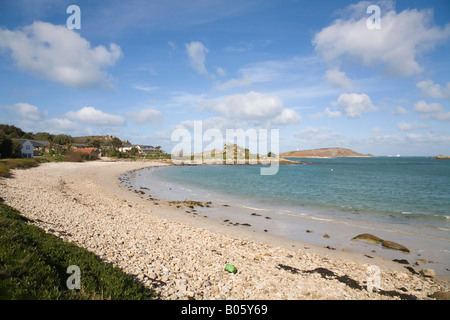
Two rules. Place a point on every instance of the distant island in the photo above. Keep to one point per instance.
(441, 157)
(323, 153)
(231, 154)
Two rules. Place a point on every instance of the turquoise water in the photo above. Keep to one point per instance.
(402, 190)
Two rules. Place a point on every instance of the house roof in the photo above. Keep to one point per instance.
(35, 143)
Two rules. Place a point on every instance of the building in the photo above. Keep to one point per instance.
(150, 149)
(141, 148)
(32, 148)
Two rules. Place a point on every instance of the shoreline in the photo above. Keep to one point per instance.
(324, 232)
(183, 255)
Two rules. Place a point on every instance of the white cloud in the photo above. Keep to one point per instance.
(221, 72)
(145, 116)
(327, 113)
(354, 105)
(145, 88)
(338, 78)
(172, 45)
(427, 139)
(92, 116)
(287, 116)
(254, 107)
(432, 90)
(219, 123)
(322, 137)
(413, 144)
(60, 125)
(377, 130)
(400, 110)
(30, 119)
(408, 126)
(423, 107)
(197, 56)
(278, 70)
(433, 111)
(245, 81)
(27, 111)
(405, 126)
(58, 54)
(182, 100)
(403, 36)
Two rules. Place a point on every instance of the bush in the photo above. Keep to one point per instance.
(8, 164)
(79, 157)
(6, 146)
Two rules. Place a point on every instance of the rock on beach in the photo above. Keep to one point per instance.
(384, 243)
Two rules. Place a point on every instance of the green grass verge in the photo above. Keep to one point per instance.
(33, 265)
(8, 164)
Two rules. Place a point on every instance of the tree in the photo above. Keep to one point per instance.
(16, 150)
(6, 145)
(133, 151)
(28, 135)
(95, 143)
(62, 139)
(11, 131)
(116, 143)
(43, 136)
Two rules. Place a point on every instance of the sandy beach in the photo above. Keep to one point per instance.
(183, 255)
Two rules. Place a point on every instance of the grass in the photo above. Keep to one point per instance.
(8, 164)
(33, 265)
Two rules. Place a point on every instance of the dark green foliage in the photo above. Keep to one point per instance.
(43, 136)
(6, 146)
(62, 139)
(12, 131)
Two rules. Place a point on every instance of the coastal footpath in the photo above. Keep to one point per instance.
(183, 256)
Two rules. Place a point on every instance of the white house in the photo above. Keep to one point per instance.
(141, 148)
(31, 148)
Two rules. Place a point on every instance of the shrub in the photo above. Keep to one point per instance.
(8, 164)
(79, 157)
(6, 146)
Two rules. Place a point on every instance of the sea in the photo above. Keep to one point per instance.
(406, 196)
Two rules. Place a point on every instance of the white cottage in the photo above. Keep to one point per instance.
(31, 148)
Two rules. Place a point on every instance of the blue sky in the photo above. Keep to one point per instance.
(313, 70)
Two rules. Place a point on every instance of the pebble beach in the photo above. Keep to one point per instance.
(183, 256)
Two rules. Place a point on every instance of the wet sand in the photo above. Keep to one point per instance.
(428, 249)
